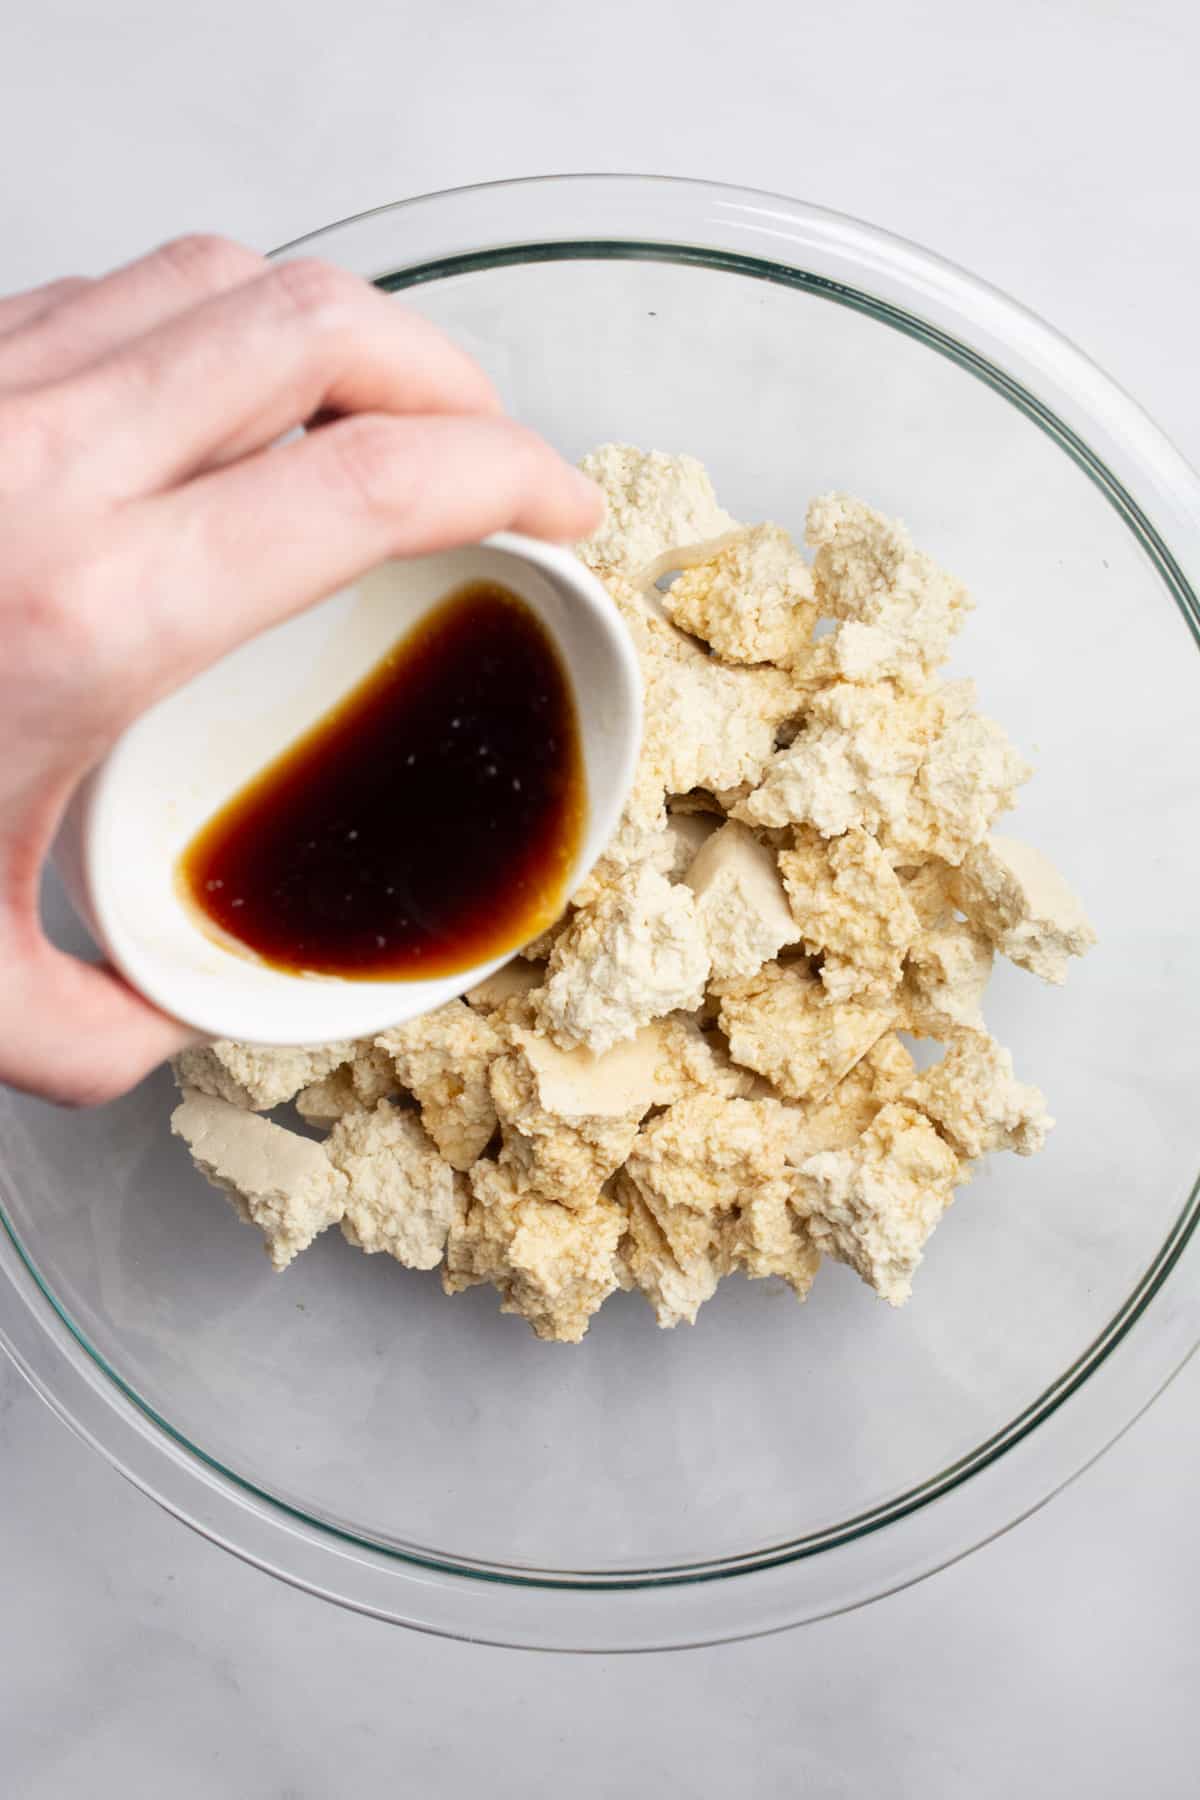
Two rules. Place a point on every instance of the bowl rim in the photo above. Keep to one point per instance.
(1157, 496)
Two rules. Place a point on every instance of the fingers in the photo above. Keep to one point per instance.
(76, 1033)
(237, 371)
(20, 310)
(244, 547)
(52, 343)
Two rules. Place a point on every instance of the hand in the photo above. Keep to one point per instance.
(150, 521)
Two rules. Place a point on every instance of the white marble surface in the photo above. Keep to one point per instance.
(1047, 144)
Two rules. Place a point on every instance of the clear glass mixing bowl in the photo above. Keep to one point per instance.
(426, 1460)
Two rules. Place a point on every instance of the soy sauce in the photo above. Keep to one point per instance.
(426, 823)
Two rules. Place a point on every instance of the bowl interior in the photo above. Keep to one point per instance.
(355, 1393)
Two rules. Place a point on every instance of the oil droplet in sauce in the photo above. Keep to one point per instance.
(428, 822)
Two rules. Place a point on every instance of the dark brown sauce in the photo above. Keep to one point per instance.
(428, 822)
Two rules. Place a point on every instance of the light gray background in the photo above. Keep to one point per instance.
(1048, 145)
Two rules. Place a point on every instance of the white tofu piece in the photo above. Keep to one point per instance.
(554, 1265)
(752, 599)
(740, 901)
(657, 503)
(687, 832)
(515, 979)
(783, 1025)
(635, 955)
(923, 772)
(400, 1193)
(1018, 899)
(849, 908)
(875, 1204)
(899, 611)
(443, 1059)
(945, 979)
(280, 1182)
(257, 1076)
(356, 1086)
(975, 1101)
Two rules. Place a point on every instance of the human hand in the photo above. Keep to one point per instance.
(151, 521)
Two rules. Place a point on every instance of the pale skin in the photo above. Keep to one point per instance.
(151, 521)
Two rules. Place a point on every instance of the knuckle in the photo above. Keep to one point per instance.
(317, 292)
(56, 621)
(205, 260)
(364, 465)
(39, 438)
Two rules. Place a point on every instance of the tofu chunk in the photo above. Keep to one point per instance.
(280, 1182)
(657, 504)
(257, 1076)
(752, 599)
(974, 1099)
(898, 610)
(875, 1204)
(783, 1025)
(740, 901)
(554, 1265)
(443, 1059)
(1018, 899)
(636, 955)
(850, 909)
(400, 1192)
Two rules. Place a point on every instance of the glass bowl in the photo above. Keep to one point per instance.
(426, 1460)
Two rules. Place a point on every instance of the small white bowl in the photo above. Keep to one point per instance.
(184, 759)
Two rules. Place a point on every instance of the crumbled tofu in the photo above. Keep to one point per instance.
(675, 1289)
(752, 599)
(641, 839)
(928, 891)
(569, 1117)
(839, 1120)
(657, 504)
(1017, 897)
(635, 955)
(324, 1102)
(740, 901)
(923, 772)
(968, 778)
(687, 832)
(852, 764)
(875, 1204)
(768, 1238)
(696, 1070)
(945, 977)
(400, 1193)
(977, 1104)
(783, 1025)
(695, 1161)
(539, 948)
(850, 908)
(443, 1059)
(640, 605)
(280, 1182)
(693, 1055)
(257, 1076)
(709, 726)
(552, 1264)
(354, 1087)
(712, 1173)
(898, 610)
(514, 980)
